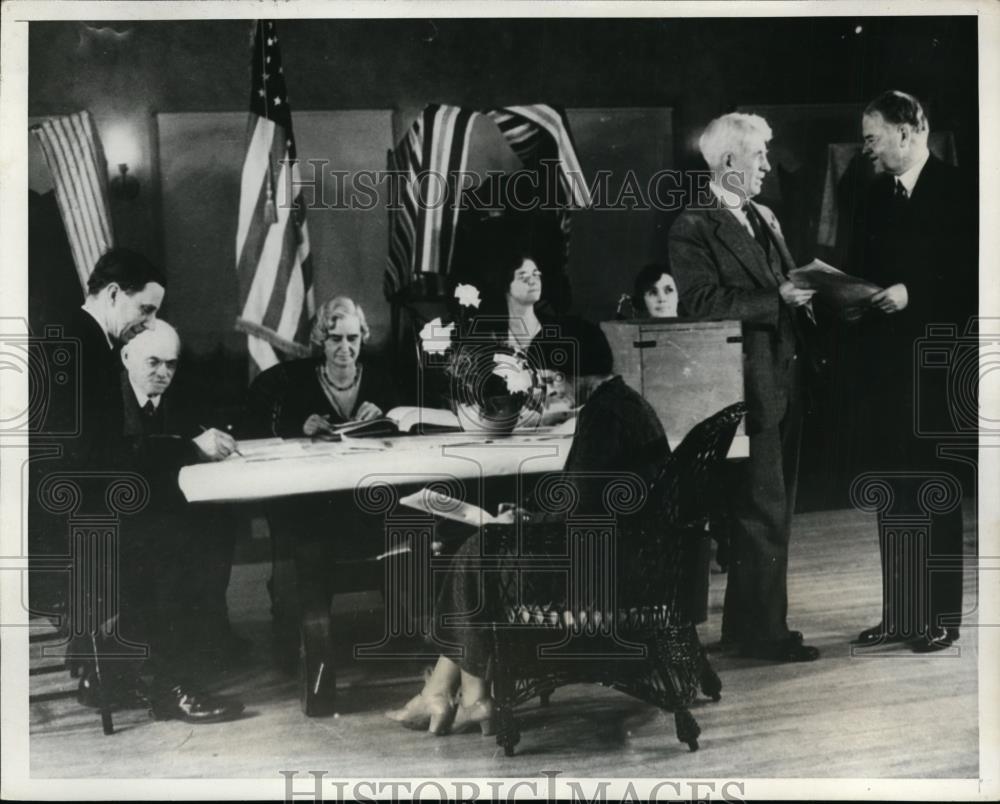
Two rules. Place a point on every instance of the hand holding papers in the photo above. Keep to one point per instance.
(849, 295)
(438, 504)
(447, 507)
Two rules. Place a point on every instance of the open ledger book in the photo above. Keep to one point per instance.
(442, 505)
(407, 419)
(850, 295)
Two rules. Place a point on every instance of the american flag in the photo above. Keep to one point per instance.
(73, 152)
(422, 226)
(272, 242)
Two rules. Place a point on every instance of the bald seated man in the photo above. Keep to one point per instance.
(150, 360)
(167, 552)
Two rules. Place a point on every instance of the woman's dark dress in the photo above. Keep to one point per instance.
(283, 397)
(279, 402)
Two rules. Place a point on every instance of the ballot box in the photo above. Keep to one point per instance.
(687, 370)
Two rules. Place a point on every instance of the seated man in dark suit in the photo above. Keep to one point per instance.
(163, 548)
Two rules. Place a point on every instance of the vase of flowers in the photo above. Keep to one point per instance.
(493, 387)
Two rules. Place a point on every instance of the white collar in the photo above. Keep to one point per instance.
(143, 398)
(909, 178)
(93, 315)
(731, 201)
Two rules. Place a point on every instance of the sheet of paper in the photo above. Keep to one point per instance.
(442, 505)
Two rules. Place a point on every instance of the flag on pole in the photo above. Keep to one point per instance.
(422, 225)
(272, 242)
(73, 152)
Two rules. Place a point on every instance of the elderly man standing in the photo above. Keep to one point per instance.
(731, 262)
(916, 238)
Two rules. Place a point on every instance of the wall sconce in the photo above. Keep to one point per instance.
(124, 186)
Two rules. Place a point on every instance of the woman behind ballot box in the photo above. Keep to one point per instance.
(617, 431)
(655, 293)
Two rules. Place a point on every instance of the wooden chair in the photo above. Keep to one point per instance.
(559, 620)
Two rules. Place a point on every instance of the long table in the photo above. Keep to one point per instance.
(270, 468)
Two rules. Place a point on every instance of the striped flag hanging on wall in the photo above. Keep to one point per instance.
(538, 132)
(272, 242)
(73, 152)
(422, 226)
(422, 234)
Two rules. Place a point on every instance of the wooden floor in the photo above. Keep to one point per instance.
(894, 714)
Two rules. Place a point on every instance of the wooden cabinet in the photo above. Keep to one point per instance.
(687, 370)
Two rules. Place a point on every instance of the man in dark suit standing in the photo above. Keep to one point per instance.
(730, 262)
(165, 554)
(124, 292)
(916, 238)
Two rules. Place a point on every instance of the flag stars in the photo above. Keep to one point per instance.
(277, 101)
(262, 93)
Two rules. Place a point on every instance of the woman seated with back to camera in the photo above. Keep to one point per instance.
(310, 397)
(617, 431)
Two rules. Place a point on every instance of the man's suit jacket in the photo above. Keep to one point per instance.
(928, 243)
(722, 273)
(155, 448)
(95, 404)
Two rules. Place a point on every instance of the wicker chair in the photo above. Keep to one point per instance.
(556, 614)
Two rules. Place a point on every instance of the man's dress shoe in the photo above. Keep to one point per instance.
(785, 650)
(181, 702)
(876, 635)
(934, 640)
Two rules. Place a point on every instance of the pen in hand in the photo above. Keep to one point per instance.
(236, 449)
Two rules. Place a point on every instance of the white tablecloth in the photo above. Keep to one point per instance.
(276, 468)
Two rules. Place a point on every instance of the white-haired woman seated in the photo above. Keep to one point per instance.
(313, 395)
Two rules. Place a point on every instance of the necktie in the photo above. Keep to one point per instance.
(758, 227)
(899, 191)
(148, 410)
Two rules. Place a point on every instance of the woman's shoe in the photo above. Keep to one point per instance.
(481, 713)
(431, 712)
